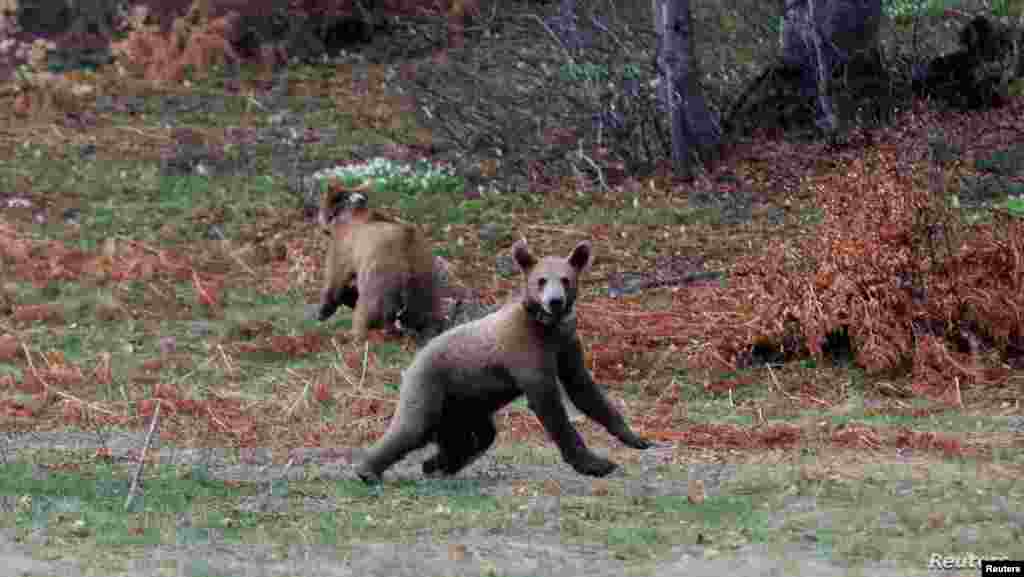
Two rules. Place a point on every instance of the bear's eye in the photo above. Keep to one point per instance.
(541, 282)
(565, 281)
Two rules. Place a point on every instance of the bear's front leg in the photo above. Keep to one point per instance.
(588, 398)
(328, 303)
(546, 402)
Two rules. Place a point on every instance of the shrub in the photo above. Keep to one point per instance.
(894, 268)
(193, 46)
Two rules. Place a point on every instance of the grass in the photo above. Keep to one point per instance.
(917, 508)
(857, 514)
(720, 409)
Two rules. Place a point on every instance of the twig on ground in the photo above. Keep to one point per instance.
(228, 365)
(553, 228)
(133, 489)
(551, 33)
(302, 395)
(91, 406)
(218, 422)
(252, 100)
(600, 173)
(236, 255)
(338, 366)
(775, 380)
(366, 355)
(138, 131)
(287, 467)
(370, 397)
(35, 371)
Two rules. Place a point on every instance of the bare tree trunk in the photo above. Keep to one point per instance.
(818, 36)
(567, 17)
(826, 118)
(695, 129)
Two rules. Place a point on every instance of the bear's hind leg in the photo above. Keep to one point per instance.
(396, 444)
(329, 301)
(415, 423)
(370, 308)
(458, 447)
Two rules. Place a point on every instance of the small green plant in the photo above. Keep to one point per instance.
(633, 540)
(907, 9)
(390, 176)
(178, 193)
(1005, 162)
(10, 370)
(428, 192)
(453, 488)
(389, 354)
(585, 72)
(631, 72)
(1015, 206)
(1006, 8)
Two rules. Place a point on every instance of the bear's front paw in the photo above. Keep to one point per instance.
(435, 465)
(594, 466)
(638, 442)
(368, 477)
(325, 312)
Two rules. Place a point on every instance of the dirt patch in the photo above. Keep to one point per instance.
(478, 555)
(531, 542)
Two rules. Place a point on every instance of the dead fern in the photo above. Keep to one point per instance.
(194, 45)
(892, 267)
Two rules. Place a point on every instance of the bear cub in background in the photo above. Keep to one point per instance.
(380, 267)
(456, 383)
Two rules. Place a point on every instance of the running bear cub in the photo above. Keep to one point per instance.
(458, 381)
(381, 268)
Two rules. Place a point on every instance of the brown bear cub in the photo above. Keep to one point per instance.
(381, 268)
(459, 380)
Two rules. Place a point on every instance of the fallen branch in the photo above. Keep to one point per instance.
(133, 489)
(366, 354)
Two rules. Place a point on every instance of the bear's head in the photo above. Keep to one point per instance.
(550, 291)
(340, 203)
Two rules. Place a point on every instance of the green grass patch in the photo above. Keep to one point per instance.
(646, 215)
(1015, 206)
(886, 512)
(134, 199)
(391, 354)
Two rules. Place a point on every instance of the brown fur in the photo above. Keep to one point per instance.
(529, 346)
(377, 266)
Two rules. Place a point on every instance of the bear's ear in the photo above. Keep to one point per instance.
(581, 256)
(522, 255)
